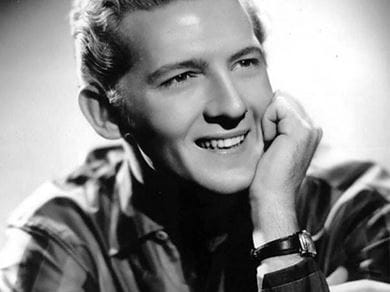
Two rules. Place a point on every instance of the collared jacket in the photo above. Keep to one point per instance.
(97, 230)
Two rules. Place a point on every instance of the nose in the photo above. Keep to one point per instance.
(226, 106)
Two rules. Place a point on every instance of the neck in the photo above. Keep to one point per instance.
(177, 204)
(180, 206)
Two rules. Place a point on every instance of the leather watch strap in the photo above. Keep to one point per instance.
(299, 242)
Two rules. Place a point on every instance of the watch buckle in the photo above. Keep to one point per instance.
(307, 247)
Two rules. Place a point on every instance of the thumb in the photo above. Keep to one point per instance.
(269, 122)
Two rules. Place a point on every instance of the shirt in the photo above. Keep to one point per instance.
(111, 226)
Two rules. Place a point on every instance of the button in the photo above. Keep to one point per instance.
(161, 235)
(113, 251)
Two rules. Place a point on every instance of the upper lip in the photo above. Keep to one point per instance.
(227, 135)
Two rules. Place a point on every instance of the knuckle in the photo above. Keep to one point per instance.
(310, 134)
(307, 128)
(281, 103)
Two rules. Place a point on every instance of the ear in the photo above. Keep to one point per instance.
(98, 112)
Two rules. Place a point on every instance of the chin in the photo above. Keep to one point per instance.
(226, 185)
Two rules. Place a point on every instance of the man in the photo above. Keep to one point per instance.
(205, 195)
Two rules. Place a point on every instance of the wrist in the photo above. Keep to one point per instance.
(277, 263)
(262, 236)
(299, 243)
(282, 253)
(272, 223)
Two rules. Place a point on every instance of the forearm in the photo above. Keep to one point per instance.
(273, 219)
(292, 139)
(270, 222)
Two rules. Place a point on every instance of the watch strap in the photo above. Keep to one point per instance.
(299, 242)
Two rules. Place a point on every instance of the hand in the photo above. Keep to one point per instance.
(291, 140)
(337, 283)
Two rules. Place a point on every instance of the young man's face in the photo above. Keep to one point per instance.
(197, 91)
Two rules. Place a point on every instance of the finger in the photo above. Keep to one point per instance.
(293, 101)
(340, 275)
(320, 134)
(281, 117)
(269, 123)
(274, 119)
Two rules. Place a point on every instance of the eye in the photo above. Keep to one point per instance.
(178, 79)
(247, 63)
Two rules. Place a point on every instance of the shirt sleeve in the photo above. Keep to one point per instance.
(302, 277)
(347, 210)
(366, 245)
(37, 263)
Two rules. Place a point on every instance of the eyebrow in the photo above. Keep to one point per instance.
(247, 51)
(198, 63)
(192, 63)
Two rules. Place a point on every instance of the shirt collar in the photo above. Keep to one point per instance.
(136, 180)
(128, 224)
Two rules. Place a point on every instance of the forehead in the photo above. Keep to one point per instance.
(183, 28)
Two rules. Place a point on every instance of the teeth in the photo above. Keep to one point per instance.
(222, 143)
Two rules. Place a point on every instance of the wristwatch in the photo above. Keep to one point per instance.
(300, 242)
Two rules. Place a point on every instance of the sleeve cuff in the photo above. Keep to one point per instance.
(293, 273)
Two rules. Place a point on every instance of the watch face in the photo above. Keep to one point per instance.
(307, 245)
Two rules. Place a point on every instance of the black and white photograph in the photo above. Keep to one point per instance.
(194, 145)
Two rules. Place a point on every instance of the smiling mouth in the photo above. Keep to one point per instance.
(221, 144)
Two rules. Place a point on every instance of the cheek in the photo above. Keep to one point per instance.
(165, 119)
(258, 94)
(165, 133)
